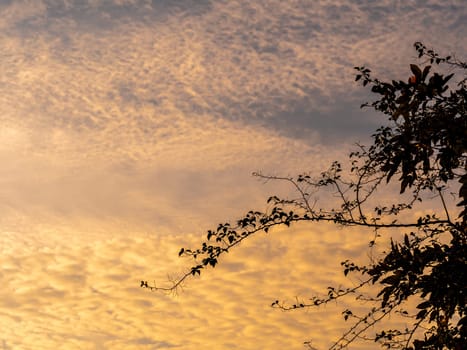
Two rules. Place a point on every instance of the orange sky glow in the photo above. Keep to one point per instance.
(130, 127)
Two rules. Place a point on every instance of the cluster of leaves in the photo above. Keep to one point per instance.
(429, 133)
(425, 146)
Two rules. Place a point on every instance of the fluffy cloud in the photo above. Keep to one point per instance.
(88, 295)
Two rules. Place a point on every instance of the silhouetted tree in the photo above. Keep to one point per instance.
(423, 147)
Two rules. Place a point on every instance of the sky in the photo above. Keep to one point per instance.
(130, 127)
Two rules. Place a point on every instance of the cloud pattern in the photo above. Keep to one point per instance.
(127, 127)
(87, 296)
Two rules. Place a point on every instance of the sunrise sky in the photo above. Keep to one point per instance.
(130, 127)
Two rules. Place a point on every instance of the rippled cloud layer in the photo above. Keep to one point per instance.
(128, 127)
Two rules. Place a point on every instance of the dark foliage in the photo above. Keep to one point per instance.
(424, 147)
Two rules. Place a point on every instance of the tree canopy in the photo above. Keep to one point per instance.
(423, 148)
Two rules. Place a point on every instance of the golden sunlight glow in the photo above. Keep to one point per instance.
(128, 128)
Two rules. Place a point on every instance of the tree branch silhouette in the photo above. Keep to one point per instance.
(424, 148)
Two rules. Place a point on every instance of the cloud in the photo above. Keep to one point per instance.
(129, 127)
(195, 62)
(87, 295)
